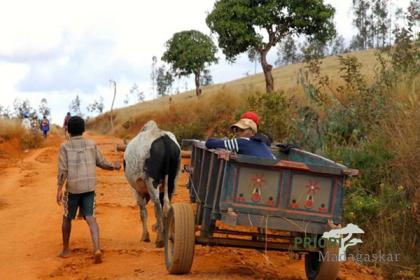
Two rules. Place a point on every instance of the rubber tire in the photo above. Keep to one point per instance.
(179, 239)
(321, 270)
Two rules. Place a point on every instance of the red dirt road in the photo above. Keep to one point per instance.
(30, 232)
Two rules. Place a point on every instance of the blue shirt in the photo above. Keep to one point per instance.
(247, 146)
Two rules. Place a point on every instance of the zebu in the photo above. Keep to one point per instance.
(151, 165)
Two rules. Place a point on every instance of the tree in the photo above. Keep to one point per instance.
(43, 108)
(75, 106)
(313, 49)
(363, 22)
(111, 117)
(413, 18)
(21, 107)
(287, 52)
(405, 54)
(206, 79)
(134, 90)
(139, 94)
(254, 57)
(153, 73)
(336, 45)
(126, 99)
(5, 112)
(96, 106)
(190, 52)
(238, 22)
(381, 22)
(164, 80)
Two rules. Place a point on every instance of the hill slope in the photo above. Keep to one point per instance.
(129, 119)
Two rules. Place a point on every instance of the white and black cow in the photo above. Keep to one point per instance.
(151, 165)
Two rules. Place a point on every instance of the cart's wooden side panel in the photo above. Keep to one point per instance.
(296, 197)
(263, 193)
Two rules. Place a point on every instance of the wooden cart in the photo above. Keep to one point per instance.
(296, 196)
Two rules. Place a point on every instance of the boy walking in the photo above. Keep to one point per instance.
(77, 163)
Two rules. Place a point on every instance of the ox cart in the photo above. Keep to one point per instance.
(247, 202)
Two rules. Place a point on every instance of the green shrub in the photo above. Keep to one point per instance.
(191, 130)
(272, 108)
(360, 207)
(373, 127)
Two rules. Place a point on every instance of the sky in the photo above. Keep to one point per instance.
(57, 49)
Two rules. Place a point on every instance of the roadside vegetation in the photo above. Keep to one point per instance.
(11, 129)
(14, 138)
(371, 123)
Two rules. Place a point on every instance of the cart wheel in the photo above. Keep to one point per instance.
(179, 239)
(316, 269)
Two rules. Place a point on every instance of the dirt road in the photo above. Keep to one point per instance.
(30, 232)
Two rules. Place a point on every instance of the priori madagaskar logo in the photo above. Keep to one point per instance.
(340, 238)
(343, 236)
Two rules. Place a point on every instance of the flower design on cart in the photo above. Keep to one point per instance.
(256, 195)
(241, 198)
(309, 202)
(294, 204)
(258, 181)
(311, 189)
(270, 201)
(322, 208)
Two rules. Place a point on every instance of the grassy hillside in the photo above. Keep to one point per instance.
(129, 119)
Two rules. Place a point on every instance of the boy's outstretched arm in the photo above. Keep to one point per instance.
(62, 173)
(104, 164)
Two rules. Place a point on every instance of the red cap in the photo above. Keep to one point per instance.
(252, 116)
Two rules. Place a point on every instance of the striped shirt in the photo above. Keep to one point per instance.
(247, 146)
(77, 163)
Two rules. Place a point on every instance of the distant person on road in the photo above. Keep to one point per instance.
(35, 124)
(45, 126)
(77, 163)
(245, 141)
(26, 123)
(65, 124)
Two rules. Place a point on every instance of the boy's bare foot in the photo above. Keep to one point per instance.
(65, 253)
(97, 256)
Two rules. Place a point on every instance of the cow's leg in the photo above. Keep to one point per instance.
(154, 196)
(142, 202)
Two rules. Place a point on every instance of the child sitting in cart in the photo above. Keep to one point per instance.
(245, 141)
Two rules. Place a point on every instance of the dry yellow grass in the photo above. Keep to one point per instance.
(403, 131)
(285, 79)
(12, 130)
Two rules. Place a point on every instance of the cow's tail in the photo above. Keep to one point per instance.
(171, 170)
(166, 184)
(166, 198)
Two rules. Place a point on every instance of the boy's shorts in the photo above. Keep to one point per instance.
(84, 201)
